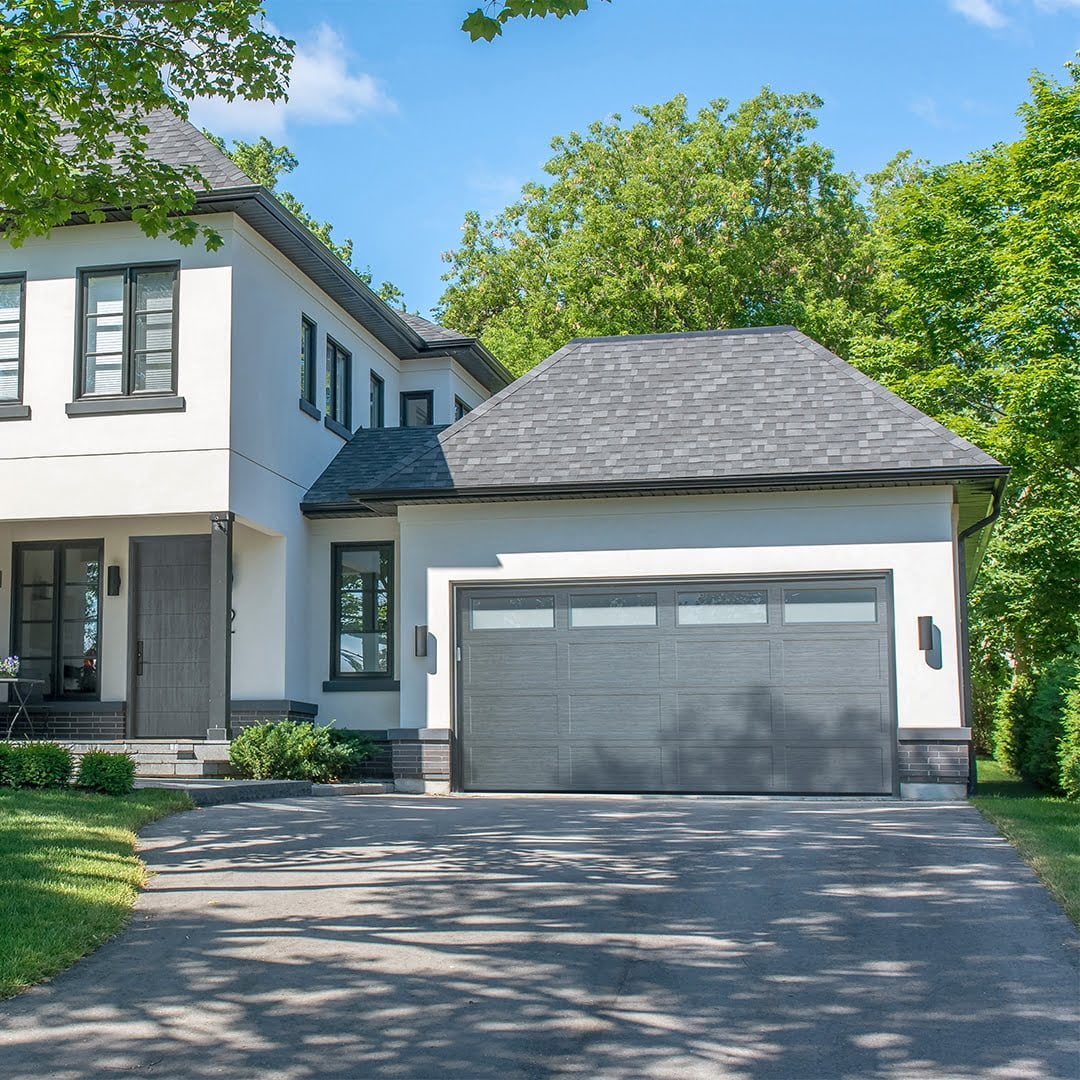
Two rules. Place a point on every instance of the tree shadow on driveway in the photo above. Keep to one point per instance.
(515, 937)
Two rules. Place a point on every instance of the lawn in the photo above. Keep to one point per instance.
(1044, 829)
(68, 875)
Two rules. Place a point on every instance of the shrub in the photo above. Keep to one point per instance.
(111, 774)
(38, 765)
(1069, 747)
(6, 752)
(286, 750)
(1011, 723)
(1039, 759)
(360, 746)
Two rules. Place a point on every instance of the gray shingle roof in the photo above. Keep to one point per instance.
(431, 332)
(728, 405)
(178, 142)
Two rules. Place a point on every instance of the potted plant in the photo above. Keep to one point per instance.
(9, 667)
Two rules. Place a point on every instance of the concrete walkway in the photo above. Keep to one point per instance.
(379, 937)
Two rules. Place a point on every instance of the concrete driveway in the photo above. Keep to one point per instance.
(518, 937)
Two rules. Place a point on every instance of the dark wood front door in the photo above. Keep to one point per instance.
(170, 635)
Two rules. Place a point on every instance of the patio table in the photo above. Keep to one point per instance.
(22, 690)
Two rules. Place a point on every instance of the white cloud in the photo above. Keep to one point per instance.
(927, 108)
(983, 12)
(322, 90)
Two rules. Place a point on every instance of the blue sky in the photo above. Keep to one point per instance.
(401, 124)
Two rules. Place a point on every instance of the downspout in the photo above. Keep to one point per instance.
(965, 649)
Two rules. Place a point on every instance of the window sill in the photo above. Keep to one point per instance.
(14, 411)
(111, 406)
(336, 428)
(307, 407)
(360, 684)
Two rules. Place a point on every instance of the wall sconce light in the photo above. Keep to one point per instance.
(420, 637)
(113, 581)
(926, 632)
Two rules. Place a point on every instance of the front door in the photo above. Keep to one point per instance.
(170, 637)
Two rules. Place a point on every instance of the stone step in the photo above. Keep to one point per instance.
(208, 792)
(367, 788)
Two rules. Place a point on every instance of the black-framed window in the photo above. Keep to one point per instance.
(128, 331)
(56, 615)
(12, 309)
(417, 408)
(308, 362)
(378, 402)
(362, 610)
(461, 408)
(338, 383)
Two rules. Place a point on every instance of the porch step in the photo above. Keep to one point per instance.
(368, 787)
(208, 792)
(165, 757)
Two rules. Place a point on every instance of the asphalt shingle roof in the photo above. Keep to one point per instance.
(718, 405)
(431, 332)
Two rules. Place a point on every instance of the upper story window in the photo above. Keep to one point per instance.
(460, 408)
(127, 331)
(12, 288)
(378, 402)
(307, 360)
(338, 384)
(417, 408)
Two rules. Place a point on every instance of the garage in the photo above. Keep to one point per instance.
(779, 685)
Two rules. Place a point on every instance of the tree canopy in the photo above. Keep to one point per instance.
(78, 79)
(487, 22)
(732, 217)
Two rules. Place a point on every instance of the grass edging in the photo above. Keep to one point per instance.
(69, 874)
(1044, 828)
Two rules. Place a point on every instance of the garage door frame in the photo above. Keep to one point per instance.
(458, 590)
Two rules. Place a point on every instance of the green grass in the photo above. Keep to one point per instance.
(1043, 828)
(69, 875)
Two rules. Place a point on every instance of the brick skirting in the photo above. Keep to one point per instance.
(77, 725)
(934, 755)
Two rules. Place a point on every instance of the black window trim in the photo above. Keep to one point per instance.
(415, 395)
(57, 547)
(20, 277)
(461, 408)
(376, 381)
(311, 381)
(83, 274)
(349, 678)
(336, 391)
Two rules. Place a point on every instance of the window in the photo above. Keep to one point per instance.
(57, 615)
(12, 287)
(127, 342)
(417, 409)
(513, 613)
(363, 597)
(460, 408)
(613, 609)
(378, 402)
(830, 605)
(727, 608)
(308, 380)
(338, 384)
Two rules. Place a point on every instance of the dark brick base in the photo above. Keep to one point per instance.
(934, 756)
(245, 713)
(81, 726)
(417, 754)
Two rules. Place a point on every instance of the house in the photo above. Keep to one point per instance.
(238, 485)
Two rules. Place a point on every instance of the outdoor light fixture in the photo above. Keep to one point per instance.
(926, 632)
(113, 580)
(420, 636)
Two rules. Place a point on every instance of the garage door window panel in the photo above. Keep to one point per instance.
(601, 610)
(725, 608)
(513, 613)
(830, 606)
(363, 610)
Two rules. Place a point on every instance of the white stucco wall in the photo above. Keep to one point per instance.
(908, 531)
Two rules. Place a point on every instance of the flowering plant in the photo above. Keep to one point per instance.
(9, 668)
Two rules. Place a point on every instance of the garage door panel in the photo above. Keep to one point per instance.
(722, 661)
(621, 663)
(507, 665)
(629, 716)
(725, 715)
(705, 767)
(513, 767)
(834, 661)
(616, 766)
(854, 770)
(834, 715)
(512, 715)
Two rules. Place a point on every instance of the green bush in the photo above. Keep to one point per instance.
(360, 747)
(111, 774)
(6, 753)
(1039, 759)
(1011, 723)
(1069, 747)
(286, 750)
(38, 765)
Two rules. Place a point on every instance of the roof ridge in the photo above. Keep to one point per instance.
(884, 394)
(680, 334)
(485, 407)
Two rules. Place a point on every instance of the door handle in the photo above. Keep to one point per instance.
(138, 658)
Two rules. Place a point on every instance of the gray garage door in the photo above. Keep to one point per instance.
(757, 686)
